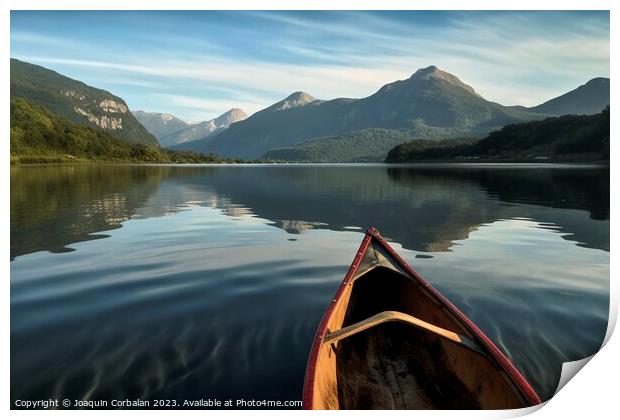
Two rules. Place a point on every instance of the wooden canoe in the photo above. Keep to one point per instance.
(389, 340)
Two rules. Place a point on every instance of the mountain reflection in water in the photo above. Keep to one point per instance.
(424, 208)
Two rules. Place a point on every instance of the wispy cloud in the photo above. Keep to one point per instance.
(239, 75)
(44, 40)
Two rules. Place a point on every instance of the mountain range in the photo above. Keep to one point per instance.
(170, 130)
(77, 102)
(431, 104)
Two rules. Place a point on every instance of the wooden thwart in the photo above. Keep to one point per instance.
(387, 316)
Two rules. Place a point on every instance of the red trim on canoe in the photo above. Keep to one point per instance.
(321, 330)
(518, 379)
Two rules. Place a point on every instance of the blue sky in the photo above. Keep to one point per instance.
(199, 64)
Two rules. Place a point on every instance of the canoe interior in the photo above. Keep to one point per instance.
(396, 365)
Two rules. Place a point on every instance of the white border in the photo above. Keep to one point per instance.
(591, 395)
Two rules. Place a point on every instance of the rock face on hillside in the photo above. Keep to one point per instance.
(77, 102)
(430, 104)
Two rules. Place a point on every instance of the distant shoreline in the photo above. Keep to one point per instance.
(508, 161)
(472, 163)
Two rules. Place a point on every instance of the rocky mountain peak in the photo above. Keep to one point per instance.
(229, 117)
(434, 73)
(295, 99)
(425, 71)
(300, 96)
(236, 114)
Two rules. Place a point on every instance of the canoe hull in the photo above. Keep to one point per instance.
(394, 365)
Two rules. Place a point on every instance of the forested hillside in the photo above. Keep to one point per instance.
(39, 136)
(566, 138)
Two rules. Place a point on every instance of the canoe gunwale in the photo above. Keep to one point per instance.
(321, 332)
(522, 385)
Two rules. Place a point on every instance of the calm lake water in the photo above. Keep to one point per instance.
(170, 282)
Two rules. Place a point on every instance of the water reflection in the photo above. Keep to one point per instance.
(423, 208)
(197, 282)
(54, 206)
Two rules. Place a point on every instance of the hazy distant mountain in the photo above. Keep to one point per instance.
(429, 104)
(587, 99)
(160, 124)
(202, 129)
(77, 102)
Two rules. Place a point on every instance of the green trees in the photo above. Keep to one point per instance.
(367, 145)
(569, 137)
(62, 95)
(39, 136)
